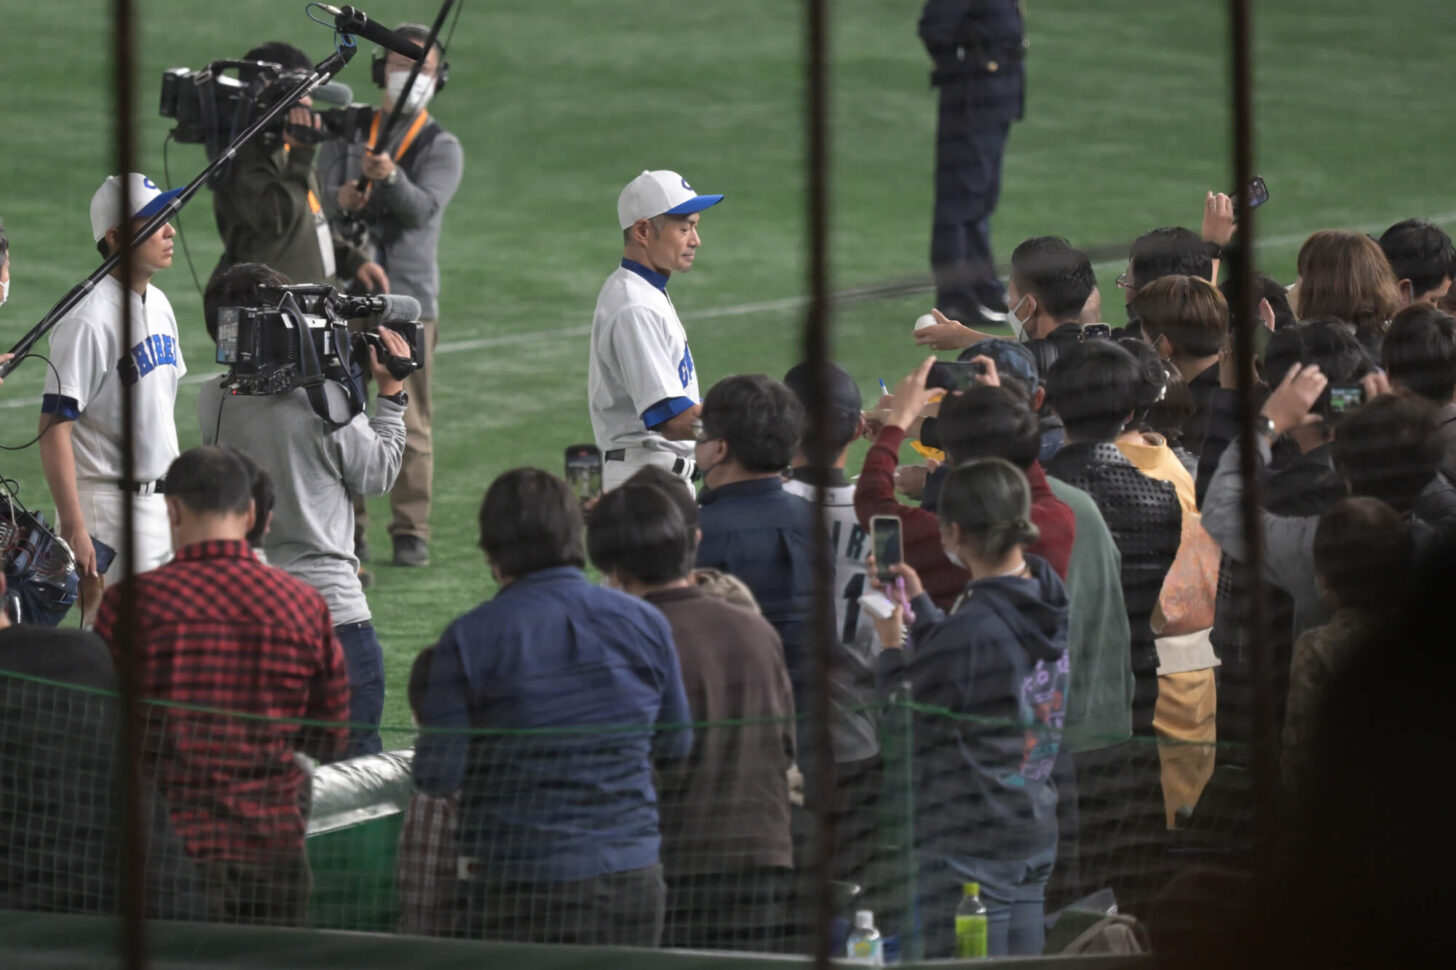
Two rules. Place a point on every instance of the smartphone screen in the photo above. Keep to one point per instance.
(1258, 192)
(1097, 331)
(954, 375)
(1346, 397)
(885, 541)
(584, 471)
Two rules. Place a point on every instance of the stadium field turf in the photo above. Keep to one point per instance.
(560, 102)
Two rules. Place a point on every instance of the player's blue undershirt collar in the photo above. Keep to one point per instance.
(647, 273)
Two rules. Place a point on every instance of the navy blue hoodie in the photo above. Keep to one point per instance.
(998, 667)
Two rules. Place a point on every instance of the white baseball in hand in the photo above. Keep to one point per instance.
(925, 320)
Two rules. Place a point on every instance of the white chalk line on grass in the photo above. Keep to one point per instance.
(747, 309)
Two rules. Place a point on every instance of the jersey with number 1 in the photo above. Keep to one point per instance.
(855, 733)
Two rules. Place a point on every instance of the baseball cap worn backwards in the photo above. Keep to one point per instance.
(660, 193)
(146, 201)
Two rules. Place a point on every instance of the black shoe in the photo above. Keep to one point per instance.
(411, 551)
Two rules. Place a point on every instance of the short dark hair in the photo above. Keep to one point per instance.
(1265, 288)
(4, 243)
(1093, 387)
(419, 680)
(530, 520)
(419, 33)
(640, 532)
(991, 502)
(1059, 276)
(210, 479)
(261, 487)
(278, 52)
(1383, 450)
(989, 422)
(1331, 344)
(1419, 352)
(758, 418)
(238, 285)
(842, 396)
(676, 489)
(1363, 549)
(1169, 251)
(1419, 251)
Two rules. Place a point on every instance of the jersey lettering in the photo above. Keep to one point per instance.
(152, 352)
(685, 366)
(855, 549)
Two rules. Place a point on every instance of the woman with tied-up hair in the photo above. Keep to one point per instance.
(995, 671)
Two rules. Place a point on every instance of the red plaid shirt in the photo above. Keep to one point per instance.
(220, 630)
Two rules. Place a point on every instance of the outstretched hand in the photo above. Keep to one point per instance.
(947, 334)
(911, 395)
(1218, 218)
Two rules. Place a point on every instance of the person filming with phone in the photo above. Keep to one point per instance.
(986, 803)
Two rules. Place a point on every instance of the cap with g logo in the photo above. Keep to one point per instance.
(660, 193)
(146, 200)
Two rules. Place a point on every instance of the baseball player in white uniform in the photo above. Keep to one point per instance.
(81, 424)
(642, 385)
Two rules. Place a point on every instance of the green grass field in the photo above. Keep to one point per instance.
(560, 102)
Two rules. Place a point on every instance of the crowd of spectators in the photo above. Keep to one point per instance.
(629, 760)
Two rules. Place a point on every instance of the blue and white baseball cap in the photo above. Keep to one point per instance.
(146, 200)
(660, 193)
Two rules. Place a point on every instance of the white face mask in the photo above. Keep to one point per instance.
(420, 92)
(1018, 325)
(4, 292)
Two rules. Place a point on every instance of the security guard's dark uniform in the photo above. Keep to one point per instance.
(978, 47)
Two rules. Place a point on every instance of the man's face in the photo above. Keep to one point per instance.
(671, 250)
(399, 63)
(1431, 297)
(156, 253)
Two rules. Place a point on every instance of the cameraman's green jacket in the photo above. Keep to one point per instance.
(268, 211)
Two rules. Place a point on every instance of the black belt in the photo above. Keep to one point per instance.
(158, 487)
(679, 466)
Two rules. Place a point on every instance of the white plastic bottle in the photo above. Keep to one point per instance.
(864, 944)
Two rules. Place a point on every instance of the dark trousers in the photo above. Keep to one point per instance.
(968, 156)
(618, 909)
(743, 910)
(271, 894)
(1122, 836)
(364, 661)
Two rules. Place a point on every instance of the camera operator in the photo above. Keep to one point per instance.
(314, 471)
(403, 207)
(267, 201)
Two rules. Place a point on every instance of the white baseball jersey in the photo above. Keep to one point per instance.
(639, 358)
(853, 683)
(92, 363)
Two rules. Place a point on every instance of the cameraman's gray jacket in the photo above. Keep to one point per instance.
(313, 472)
(404, 219)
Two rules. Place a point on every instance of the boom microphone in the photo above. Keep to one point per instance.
(352, 21)
(333, 92)
(390, 307)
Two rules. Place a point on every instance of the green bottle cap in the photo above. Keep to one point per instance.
(971, 889)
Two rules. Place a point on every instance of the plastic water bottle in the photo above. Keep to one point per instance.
(864, 944)
(970, 923)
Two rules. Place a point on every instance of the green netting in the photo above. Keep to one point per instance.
(354, 846)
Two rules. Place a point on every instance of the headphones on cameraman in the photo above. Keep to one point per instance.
(381, 57)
